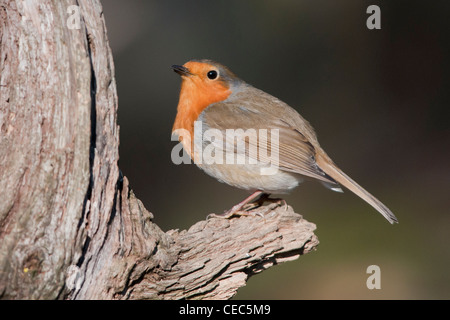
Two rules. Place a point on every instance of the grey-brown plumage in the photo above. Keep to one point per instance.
(299, 153)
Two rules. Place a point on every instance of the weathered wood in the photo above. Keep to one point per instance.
(45, 110)
(212, 259)
(70, 227)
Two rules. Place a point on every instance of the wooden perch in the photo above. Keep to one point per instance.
(214, 257)
(70, 227)
(211, 260)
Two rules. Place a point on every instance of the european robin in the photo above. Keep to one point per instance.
(217, 99)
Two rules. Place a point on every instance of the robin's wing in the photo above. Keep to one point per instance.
(265, 134)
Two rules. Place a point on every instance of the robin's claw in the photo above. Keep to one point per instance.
(230, 214)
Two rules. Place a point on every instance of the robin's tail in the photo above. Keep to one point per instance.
(325, 163)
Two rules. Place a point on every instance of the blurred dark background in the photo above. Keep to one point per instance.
(379, 102)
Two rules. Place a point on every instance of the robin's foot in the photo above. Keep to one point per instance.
(238, 210)
(255, 200)
(265, 197)
(230, 214)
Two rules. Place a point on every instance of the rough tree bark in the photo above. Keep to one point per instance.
(70, 227)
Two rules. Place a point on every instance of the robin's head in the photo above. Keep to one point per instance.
(206, 80)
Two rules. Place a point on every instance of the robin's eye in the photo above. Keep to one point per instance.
(212, 74)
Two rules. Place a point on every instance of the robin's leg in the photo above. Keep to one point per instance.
(265, 197)
(255, 200)
(238, 209)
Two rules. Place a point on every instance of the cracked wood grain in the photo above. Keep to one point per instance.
(214, 258)
(70, 226)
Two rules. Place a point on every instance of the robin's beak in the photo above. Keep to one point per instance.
(181, 70)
